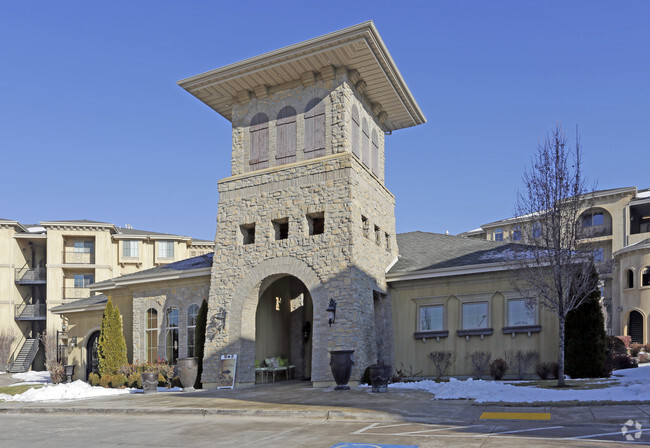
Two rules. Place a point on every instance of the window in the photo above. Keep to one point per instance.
(165, 249)
(377, 235)
(629, 274)
(599, 255)
(248, 233)
(516, 233)
(281, 227)
(285, 131)
(365, 143)
(84, 247)
(259, 142)
(520, 313)
(171, 339)
(316, 222)
(387, 241)
(151, 337)
(375, 153)
(83, 280)
(537, 230)
(645, 276)
(130, 248)
(431, 318)
(354, 135)
(498, 234)
(365, 225)
(475, 315)
(192, 312)
(593, 219)
(315, 128)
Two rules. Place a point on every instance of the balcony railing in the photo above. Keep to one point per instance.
(76, 293)
(596, 231)
(78, 257)
(27, 311)
(31, 275)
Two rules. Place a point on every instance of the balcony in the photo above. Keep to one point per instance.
(31, 276)
(27, 311)
(76, 293)
(597, 231)
(72, 257)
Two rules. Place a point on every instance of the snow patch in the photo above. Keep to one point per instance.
(64, 391)
(33, 377)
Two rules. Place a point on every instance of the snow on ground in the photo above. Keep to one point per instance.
(33, 377)
(626, 385)
(64, 391)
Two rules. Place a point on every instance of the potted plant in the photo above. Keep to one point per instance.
(380, 373)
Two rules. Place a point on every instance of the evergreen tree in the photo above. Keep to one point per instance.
(112, 345)
(586, 340)
(199, 339)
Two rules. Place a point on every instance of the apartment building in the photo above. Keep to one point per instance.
(55, 262)
(617, 226)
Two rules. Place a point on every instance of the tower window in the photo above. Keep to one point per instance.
(248, 233)
(365, 224)
(377, 235)
(316, 223)
(281, 227)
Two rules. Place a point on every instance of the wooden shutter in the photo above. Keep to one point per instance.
(315, 129)
(285, 126)
(354, 135)
(375, 153)
(365, 143)
(259, 142)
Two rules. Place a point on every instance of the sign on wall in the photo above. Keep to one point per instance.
(227, 368)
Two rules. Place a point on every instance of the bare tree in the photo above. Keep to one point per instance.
(551, 269)
(6, 341)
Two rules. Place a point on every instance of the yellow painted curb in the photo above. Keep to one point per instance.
(516, 416)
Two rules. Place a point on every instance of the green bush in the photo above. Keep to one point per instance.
(112, 345)
(586, 340)
(105, 380)
(134, 380)
(93, 379)
(199, 340)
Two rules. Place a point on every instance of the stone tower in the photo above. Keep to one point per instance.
(305, 215)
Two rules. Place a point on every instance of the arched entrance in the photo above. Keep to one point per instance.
(92, 354)
(635, 327)
(283, 324)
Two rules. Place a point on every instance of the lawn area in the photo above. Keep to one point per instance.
(18, 389)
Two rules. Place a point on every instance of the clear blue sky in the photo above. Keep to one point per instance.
(93, 125)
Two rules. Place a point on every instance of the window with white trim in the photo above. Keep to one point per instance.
(475, 315)
(151, 335)
(165, 249)
(431, 318)
(130, 248)
(171, 339)
(83, 280)
(498, 234)
(192, 312)
(520, 313)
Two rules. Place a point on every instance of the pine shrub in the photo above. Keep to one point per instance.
(112, 345)
(199, 340)
(586, 340)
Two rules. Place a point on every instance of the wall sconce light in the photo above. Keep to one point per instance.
(331, 312)
(73, 342)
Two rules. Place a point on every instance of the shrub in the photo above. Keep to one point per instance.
(624, 362)
(635, 347)
(134, 380)
(626, 340)
(498, 368)
(7, 339)
(521, 360)
(642, 358)
(616, 345)
(442, 360)
(175, 382)
(586, 340)
(545, 370)
(480, 362)
(405, 374)
(118, 380)
(112, 345)
(199, 340)
(93, 379)
(162, 381)
(57, 371)
(105, 380)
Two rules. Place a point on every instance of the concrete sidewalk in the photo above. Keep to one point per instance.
(296, 399)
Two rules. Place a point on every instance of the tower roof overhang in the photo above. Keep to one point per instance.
(357, 48)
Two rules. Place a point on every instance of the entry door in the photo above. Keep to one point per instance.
(92, 363)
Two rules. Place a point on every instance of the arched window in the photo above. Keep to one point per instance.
(629, 278)
(171, 339)
(635, 327)
(285, 142)
(259, 142)
(315, 129)
(354, 136)
(596, 222)
(365, 143)
(498, 234)
(192, 312)
(151, 335)
(375, 153)
(645, 276)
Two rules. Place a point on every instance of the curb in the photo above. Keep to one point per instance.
(561, 404)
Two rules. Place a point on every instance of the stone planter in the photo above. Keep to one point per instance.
(187, 371)
(69, 372)
(341, 362)
(149, 382)
(379, 377)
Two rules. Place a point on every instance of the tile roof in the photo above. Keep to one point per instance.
(423, 251)
(98, 299)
